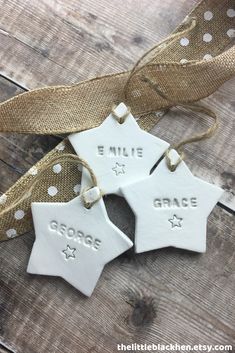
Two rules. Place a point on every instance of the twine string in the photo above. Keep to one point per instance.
(172, 166)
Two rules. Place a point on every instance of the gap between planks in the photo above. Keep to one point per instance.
(5, 349)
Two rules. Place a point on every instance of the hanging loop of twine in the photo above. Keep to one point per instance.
(172, 166)
(120, 118)
(67, 157)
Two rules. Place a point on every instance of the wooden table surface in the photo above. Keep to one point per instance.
(164, 296)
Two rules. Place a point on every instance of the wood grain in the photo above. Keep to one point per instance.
(163, 296)
(62, 42)
(160, 297)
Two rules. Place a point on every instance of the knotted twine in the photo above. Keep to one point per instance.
(178, 67)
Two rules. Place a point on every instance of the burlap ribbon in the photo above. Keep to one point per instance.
(188, 66)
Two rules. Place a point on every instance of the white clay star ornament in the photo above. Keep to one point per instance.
(171, 208)
(75, 242)
(119, 153)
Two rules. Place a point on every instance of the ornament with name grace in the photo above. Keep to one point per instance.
(171, 208)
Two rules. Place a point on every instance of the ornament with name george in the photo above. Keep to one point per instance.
(171, 208)
(118, 153)
(74, 242)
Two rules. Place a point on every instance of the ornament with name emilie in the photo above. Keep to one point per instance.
(119, 153)
(171, 208)
(75, 242)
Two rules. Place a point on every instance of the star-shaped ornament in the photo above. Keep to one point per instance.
(74, 242)
(171, 208)
(118, 153)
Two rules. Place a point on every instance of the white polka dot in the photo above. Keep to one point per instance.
(231, 33)
(57, 168)
(3, 199)
(52, 190)
(207, 57)
(207, 37)
(77, 188)
(19, 214)
(208, 15)
(231, 13)
(60, 147)
(11, 233)
(33, 171)
(183, 61)
(184, 42)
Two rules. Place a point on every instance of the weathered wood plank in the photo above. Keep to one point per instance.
(63, 42)
(163, 296)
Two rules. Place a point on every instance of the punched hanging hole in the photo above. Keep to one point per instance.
(90, 196)
(120, 112)
(172, 166)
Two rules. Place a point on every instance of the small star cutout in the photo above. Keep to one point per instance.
(69, 252)
(175, 221)
(119, 169)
